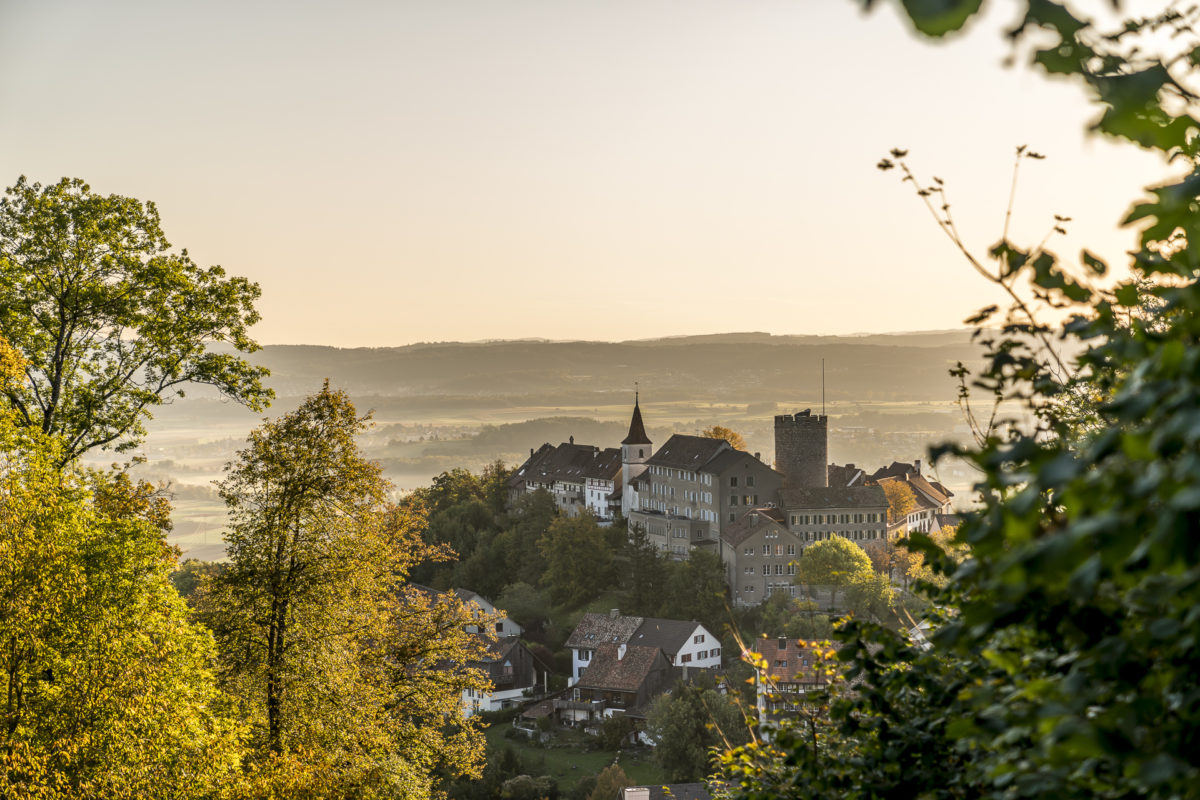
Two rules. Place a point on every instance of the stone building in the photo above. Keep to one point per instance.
(693, 486)
(802, 449)
(759, 552)
(857, 513)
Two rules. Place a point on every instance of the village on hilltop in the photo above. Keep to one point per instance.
(694, 493)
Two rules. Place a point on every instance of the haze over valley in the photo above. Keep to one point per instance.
(444, 405)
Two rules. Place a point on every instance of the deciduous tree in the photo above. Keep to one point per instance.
(833, 562)
(110, 320)
(579, 562)
(691, 725)
(344, 676)
(109, 689)
(696, 589)
(721, 432)
(901, 500)
(609, 783)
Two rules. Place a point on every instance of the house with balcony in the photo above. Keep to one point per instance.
(620, 679)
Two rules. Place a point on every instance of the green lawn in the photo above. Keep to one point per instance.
(568, 764)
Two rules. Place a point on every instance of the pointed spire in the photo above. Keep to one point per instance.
(637, 431)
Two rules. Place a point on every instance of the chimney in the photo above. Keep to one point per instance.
(917, 465)
(572, 439)
(613, 613)
(531, 452)
(620, 651)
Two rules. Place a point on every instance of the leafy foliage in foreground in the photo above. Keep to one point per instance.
(1064, 663)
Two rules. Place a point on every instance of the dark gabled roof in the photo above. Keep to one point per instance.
(848, 475)
(730, 458)
(569, 462)
(688, 452)
(750, 523)
(637, 431)
(833, 497)
(897, 469)
(498, 649)
(611, 671)
(596, 629)
(669, 635)
(536, 458)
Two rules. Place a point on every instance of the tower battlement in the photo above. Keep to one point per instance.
(802, 448)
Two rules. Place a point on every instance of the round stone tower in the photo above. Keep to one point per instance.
(802, 449)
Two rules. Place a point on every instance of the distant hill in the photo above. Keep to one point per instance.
(736, 367)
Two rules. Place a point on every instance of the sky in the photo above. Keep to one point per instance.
(458, 170)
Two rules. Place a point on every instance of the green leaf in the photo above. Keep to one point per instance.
(939, 17)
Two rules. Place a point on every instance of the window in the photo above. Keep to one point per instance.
(795, 518)
(749, 480)
(733, 480)
(685, 658)
(779, 569)
(766, 569)
(499, 627)
(641, 453)
(733, 499)
(749, 551)
(585, 655)
(791, 569)
(732, 516)
(698, 638)
(716, 651)
(701, 655)
(778, 549)
(791, 549)
(766, 549)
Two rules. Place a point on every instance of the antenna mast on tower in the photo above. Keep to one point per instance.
(822, 387)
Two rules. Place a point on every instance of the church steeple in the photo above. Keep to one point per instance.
(637, 431)
(635, 451)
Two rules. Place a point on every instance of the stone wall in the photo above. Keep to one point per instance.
(802, 449)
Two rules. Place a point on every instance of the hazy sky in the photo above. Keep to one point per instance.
(392, 172)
